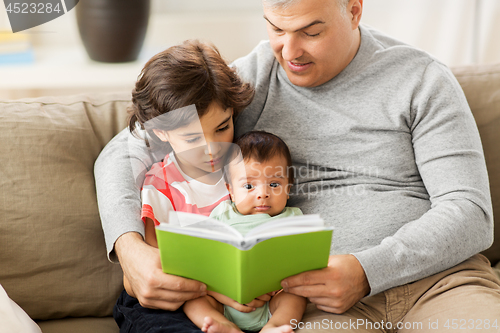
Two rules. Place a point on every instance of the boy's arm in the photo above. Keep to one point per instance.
(119, 173)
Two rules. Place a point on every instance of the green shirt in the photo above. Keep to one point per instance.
(227, 212)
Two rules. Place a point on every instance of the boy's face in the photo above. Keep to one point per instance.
(260, 188)
(200, 146)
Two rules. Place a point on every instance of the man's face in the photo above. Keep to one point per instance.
(314, 40)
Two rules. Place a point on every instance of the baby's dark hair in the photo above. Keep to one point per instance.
(260, 146)
(186, 74)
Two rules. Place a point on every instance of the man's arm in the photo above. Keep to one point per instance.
(449, 157)
(119, 173)
(459, 224)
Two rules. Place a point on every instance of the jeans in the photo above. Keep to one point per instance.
(131, 317)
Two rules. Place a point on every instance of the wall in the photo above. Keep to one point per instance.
(457, 32)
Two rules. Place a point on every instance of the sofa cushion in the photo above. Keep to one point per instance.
(481, 85)
(52, 255)
(80, 325)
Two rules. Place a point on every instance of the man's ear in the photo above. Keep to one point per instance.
(355, 9)
(162, 135)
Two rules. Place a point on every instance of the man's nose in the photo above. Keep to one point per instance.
(291, 48)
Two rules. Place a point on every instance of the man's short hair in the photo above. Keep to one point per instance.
(287, 3)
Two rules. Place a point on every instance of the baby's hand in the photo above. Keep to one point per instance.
(262, 300)
(232, 303)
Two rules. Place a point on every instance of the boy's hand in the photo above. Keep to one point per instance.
(335, 288)
(147, 282)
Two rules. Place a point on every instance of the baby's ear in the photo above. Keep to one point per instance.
(162, 135)
(230, 190)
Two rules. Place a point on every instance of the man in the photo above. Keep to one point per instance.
(386, 149)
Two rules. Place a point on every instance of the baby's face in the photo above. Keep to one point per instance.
(260, 188)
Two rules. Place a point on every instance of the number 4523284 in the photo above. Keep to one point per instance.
(471, 324)
(32, 8)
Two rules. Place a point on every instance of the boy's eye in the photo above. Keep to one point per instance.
(225, 128)
(274, 184)
(193, 140)
(248, 186)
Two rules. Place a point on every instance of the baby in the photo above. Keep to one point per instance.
(258, 182)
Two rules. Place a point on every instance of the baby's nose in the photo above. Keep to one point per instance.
(262, 192)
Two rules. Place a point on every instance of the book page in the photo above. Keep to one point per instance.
(201, 226)
(205, 227)
(284, 227)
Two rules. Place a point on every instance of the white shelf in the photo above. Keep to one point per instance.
(63, 67)
(68, 70)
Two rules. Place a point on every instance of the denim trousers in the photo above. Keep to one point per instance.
(131, 317)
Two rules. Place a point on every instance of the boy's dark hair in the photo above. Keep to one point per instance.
(260, 146)
(186, 74)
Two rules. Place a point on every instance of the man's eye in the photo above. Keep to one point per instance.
(274, 184)
(248, 186)
(193, 140)
(312, 35)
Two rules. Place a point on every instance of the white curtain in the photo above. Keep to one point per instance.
(489, 31)
(4, 20)
(457, 32)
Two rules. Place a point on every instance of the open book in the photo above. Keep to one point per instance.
(242, 268)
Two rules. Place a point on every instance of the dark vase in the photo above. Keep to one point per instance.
(113, 30)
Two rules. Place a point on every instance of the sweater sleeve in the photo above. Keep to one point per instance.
(119, 174)
(450, 160)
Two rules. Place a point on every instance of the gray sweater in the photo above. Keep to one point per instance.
(387, 152)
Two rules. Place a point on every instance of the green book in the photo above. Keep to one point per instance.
(242, 268)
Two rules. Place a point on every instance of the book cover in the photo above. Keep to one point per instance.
(243, 268)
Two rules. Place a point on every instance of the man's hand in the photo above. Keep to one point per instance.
(154, 289)
(335, 288)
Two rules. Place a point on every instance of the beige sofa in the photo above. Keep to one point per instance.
(52, 255)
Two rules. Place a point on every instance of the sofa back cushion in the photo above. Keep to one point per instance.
(52, 256)
(481, 85)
